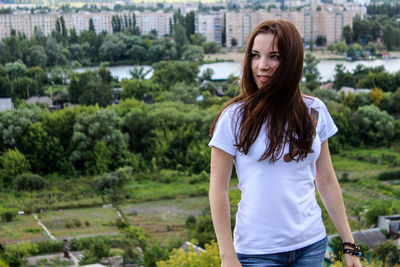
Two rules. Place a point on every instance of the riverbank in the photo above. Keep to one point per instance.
(236, 55)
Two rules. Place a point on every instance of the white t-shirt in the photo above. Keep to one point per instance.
(278, 210)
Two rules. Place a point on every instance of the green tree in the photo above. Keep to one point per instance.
(380, 207)
(36, 56)
(44, 151)
(180, 38)
(340, 47)
(193, 53)
(112, 48)
(91, 87)
(310, 70)
(343, 77)
(15, 70)
(348, 34)
(375, 127)
(134, 242)
(167, 73)
(55, 56)
(103, 126)
(13, 163)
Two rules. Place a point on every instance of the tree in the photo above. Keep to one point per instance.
(310, 70)
(110, 185)
(193, 53)
(44, 151)
(36, 56)
(89, 129)
(348, 34)
(210, 47)
(134, 242)
(376, 96)
(13, 163)
(179, 38)
(91, 87)
(342, 77)
(234, 42)
(375, 127)
(112, 48)
(167, 73)
(55, 56)
(15, 70)
(340, 47)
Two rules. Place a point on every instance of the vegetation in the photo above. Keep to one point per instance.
(150, 143)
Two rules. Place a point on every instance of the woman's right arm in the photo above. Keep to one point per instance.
(220, 175)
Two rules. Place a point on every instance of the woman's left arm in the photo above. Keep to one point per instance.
(331, 195)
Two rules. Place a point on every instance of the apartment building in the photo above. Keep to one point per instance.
(311, 22)
(25, 22)
(210, 26)
(158, 20)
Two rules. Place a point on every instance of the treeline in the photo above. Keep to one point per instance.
(66, 48)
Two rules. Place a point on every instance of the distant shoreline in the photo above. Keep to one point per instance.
(237, 55)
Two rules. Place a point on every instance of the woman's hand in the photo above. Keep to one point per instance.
(231, 261)
(352, 261)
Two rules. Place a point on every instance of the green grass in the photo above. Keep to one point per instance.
(56, 221)
(14, 230)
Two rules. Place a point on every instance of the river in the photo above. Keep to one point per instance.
(222, 70)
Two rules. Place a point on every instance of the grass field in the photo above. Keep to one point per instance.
(162, 208)
(98, 218)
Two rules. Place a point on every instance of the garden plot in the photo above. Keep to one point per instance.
(80, 222)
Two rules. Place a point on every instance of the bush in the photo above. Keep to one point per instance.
(32, 230)
(389, 175)
(48, 246)
(7, 215)
(16, 254)
(29, 181)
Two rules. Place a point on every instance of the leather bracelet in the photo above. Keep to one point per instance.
(355, 251)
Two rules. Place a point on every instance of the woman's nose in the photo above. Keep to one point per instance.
(264, 64)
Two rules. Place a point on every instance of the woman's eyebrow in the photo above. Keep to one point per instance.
(253, 51)
(274, 52)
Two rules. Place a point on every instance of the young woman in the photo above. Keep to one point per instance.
(278, 140)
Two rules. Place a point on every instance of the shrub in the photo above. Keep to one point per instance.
(48, 246)
(389, 175)
(31, 230)
(7, 215)
(29, 181)
(77, 222)
(16, 254)
(86, 223)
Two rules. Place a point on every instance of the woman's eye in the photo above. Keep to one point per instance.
(275, 57)
(253, 55)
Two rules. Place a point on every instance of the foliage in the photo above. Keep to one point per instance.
(208, 258)
(110, 185)
(168, 73)
(13, 163)
(29, 182)
(98, 137)
(16, 254)
(154, 254)
(375, 127)
(389, 175)
(380, 207)
(387, 252)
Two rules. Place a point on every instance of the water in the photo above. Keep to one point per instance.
(222, 70)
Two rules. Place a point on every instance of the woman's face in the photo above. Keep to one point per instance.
(265, 58)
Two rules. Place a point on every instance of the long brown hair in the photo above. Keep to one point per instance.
(280, 103)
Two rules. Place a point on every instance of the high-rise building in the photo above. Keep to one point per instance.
(210, 26)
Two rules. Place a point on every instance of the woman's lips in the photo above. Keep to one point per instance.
(262, 78)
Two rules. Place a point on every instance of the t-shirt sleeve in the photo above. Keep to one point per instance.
(326, 126)
(224, 132)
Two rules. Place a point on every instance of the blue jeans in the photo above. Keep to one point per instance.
(310, 256)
